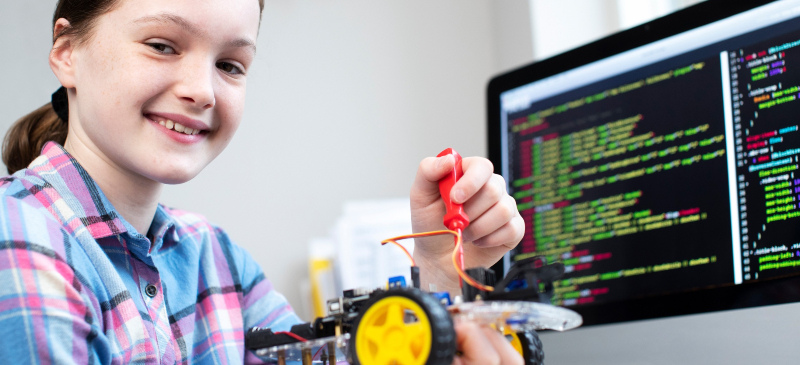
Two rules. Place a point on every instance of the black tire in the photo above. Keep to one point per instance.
(532, 351)
(443, 335)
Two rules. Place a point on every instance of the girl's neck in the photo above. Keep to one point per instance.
(135, 197)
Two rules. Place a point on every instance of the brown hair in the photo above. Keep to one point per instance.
(26, 137)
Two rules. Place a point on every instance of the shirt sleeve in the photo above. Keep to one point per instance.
(46, 315)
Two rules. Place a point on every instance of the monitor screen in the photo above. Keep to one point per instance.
(664, 169)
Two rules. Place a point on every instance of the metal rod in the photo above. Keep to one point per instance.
(306, 356)
(332, 353)
(281, 357)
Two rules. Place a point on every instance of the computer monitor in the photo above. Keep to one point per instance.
(660, 164)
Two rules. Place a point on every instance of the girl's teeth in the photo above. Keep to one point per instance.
(178, 127)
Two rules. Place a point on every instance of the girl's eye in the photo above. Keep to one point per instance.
(162, 48)
(230, 68)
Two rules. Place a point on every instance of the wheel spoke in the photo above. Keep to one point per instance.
(394, 316)
(415, 331)
(407, 357)
(374, 334)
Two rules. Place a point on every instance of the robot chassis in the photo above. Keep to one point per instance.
(404, 325)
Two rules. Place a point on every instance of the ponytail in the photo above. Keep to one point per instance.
(24, 141)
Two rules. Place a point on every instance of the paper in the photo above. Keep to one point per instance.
(361, 259)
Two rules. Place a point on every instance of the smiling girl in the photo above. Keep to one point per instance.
(94, 270)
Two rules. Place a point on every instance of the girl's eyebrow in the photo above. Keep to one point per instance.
(190, 28)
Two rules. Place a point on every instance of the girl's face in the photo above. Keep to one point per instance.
(160, 85)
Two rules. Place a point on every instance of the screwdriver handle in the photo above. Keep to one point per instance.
(455, 218)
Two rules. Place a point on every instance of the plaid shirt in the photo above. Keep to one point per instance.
(79, 285)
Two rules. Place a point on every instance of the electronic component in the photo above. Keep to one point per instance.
(443, 297)
(397, 282)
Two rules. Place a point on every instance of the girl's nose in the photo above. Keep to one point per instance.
(196, 85)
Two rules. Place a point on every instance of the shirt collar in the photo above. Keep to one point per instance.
(159, 229)
(78, 201)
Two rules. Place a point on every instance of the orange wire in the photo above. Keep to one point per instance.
(461, 272)
(458, 247)
(413, 263)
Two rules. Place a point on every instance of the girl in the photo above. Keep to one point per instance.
(94, 270)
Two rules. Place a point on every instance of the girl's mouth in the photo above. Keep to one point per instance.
(177, 131)
(177, 127)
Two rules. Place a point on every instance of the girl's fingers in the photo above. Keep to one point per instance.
(426, 183)
(476, 348)
(483, 346)
(477, 171)
(507, 236)
(489, 194)
(493, 219)
(504, 350)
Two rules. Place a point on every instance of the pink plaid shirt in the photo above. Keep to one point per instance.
(79, 285)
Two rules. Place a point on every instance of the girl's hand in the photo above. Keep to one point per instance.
(495, 224)
(483, 346)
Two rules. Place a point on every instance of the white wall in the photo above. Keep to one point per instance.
(512, 36)
(26, 81)
(561, 25)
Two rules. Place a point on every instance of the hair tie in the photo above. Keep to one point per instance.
(60, 104)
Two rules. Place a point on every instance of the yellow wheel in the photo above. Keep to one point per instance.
(387, 335)
(513, 338)
(403, 326)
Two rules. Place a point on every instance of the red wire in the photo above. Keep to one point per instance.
(292, 335)
(460, 249)
(317, 353)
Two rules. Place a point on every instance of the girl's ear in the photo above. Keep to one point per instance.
(61, 54)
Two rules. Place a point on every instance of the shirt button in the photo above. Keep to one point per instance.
(150, 290)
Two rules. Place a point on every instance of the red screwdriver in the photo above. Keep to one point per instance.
(455, 219)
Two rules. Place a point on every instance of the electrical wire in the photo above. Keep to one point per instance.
(292, 335)
(414, 235)
(458, 254)
(458, 262)
(413, 263)
(317, 353)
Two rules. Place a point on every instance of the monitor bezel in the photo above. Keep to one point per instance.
(746, 295)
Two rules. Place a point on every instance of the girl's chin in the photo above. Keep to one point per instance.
(175, 181)
(173, 175)
(165, 165)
